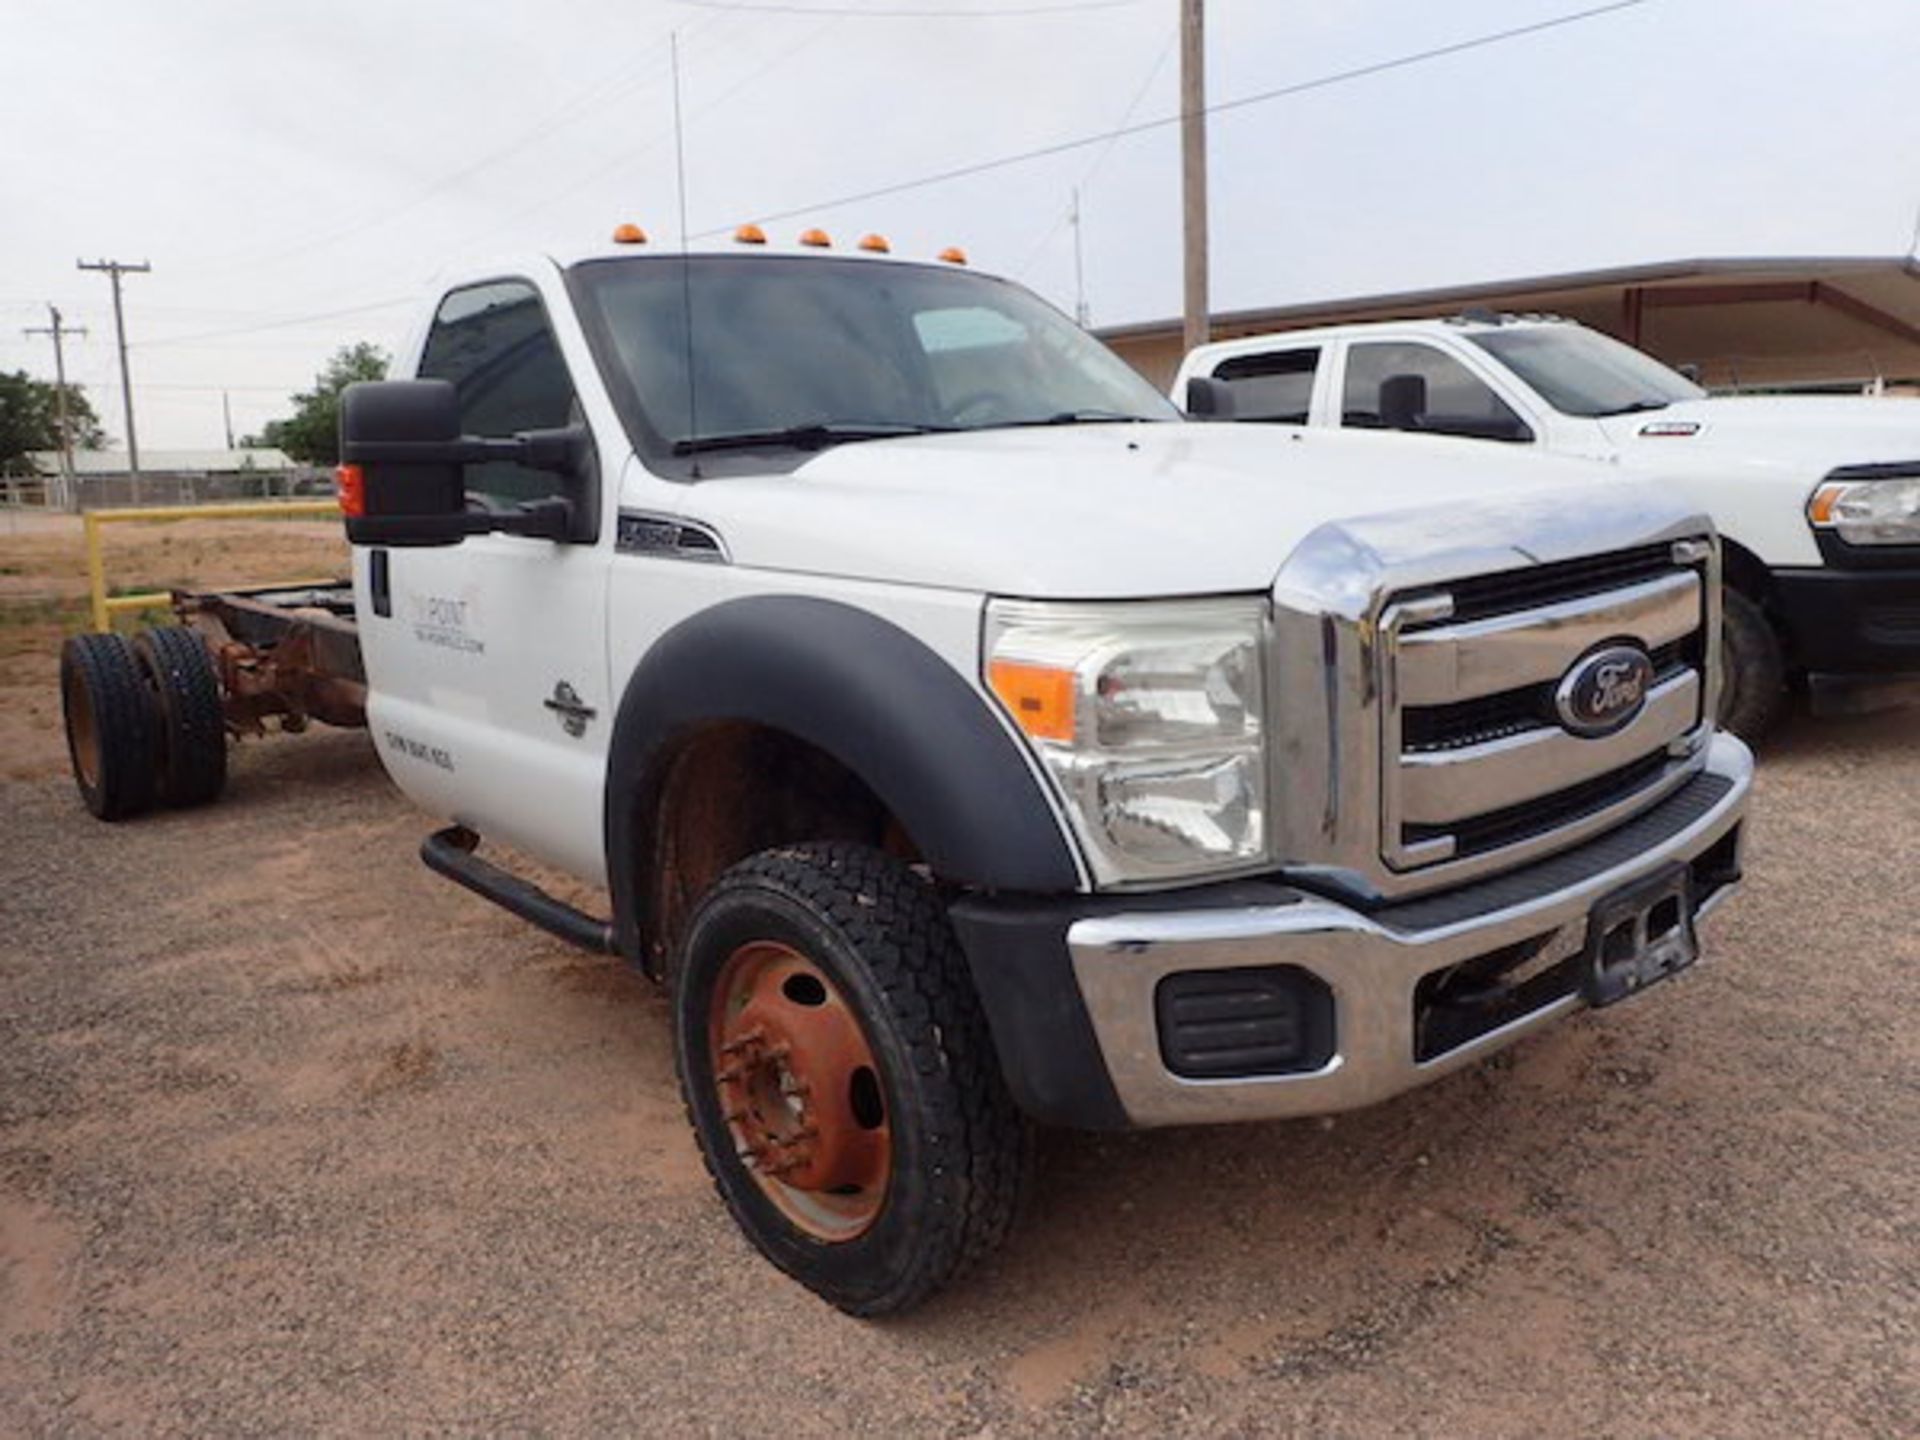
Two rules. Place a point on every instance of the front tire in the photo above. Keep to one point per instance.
(840, 1077)
(1753, 683)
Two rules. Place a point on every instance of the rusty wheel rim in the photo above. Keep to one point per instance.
(82, 733)
(800, 1091)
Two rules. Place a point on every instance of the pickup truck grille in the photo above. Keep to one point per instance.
(1476, 757)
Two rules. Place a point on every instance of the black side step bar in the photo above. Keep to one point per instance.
(450, 851)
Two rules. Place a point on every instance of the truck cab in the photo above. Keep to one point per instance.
(968, 740)
(1817, 499)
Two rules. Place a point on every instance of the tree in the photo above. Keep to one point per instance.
(312, 434)
(30, 419)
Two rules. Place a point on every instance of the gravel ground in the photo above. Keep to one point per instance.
(295, 1137)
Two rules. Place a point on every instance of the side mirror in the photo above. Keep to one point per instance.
(1403, 401)
(382, 421)
(403, 468)
(1209, 398)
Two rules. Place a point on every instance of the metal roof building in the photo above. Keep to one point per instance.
(1745, 323)
(166, 462)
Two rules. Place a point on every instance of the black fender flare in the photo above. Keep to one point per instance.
(866, 692)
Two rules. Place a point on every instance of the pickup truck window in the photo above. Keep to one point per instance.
(495, 344)
(1580, 372)
(1276, 387)
(1396, 385)
(797, 353)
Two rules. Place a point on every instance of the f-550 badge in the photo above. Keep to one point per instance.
(574, 712)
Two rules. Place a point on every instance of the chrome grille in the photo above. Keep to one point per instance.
(1475, 759)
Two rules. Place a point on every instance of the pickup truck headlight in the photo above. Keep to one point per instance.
(1869, 512)
(1148, 717)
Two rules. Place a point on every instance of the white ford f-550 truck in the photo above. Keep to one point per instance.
(967, 739)
(1817, 499)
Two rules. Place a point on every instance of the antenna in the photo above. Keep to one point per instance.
(686, 265)
(1080, 313)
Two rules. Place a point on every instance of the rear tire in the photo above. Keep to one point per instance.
(1753, 684)
(112, 725)
(193, 728)
(840, 1077)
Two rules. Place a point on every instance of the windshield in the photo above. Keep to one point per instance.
(1582, 372)
(793, 353)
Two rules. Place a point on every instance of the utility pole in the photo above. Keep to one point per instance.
(1080, 312)
(59, 330)
(1193, 167)
(226, 415)
(114, 270)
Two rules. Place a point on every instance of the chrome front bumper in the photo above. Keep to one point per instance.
(1371, 963)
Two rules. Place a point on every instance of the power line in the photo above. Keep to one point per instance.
(1064, 147)
(1071, 215)
(582, 101)
(628, 157)
(765, 7)
(286, 323)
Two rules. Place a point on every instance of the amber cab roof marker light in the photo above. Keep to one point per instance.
(818, 239)
(629, 235)
(876, 243)
(954, 255)
(749, 235)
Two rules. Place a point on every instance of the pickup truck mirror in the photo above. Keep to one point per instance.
(400, 441)
(1209, 398)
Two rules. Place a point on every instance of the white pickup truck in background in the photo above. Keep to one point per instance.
(1817, 499)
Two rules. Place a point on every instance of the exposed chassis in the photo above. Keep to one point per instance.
(290, 651)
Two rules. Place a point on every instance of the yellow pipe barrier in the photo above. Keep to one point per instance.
(104, 605)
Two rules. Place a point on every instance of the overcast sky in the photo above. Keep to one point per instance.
(305, 157)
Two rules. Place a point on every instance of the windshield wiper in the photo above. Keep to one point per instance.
(1635, 408)
(817, 436)
(1067, 417)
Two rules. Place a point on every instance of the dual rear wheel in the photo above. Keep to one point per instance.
(144, 721)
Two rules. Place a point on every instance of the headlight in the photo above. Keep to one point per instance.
(1869, 512)
(1148, 717)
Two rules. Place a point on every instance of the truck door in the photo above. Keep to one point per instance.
(488, 666)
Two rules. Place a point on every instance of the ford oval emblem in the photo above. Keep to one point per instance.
(1604, 690)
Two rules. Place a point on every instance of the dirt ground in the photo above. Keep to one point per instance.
(296, 1137)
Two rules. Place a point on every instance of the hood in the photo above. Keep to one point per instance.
(1806, 435)
(1117, 511)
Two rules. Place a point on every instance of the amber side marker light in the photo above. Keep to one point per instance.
(818, 239)
(1039, 697)
(1820, 507)
(876, 243)
(350, 489)
(750, 235)
(629, 235)
(954, 255)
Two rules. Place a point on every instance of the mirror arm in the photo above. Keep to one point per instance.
(564, 450)
(549, 519)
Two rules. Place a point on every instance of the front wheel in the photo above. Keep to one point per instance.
(840, 1077)
(1753, 683)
